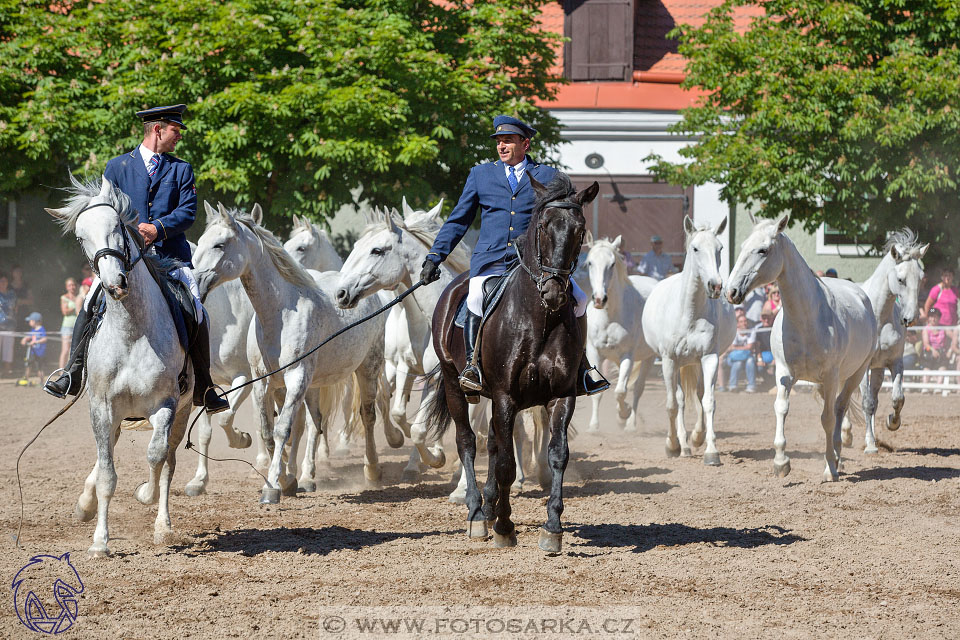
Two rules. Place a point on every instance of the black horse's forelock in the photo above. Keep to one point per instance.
(559, 188)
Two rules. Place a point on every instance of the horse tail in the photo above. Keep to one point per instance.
(690, 383)
(353, 421)
(438, 413)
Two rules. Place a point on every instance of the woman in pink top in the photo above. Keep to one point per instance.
(943, 297)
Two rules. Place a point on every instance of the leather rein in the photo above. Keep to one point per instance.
(546, 272)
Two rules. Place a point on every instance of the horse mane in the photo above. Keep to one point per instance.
(423, 227)
(620, 264)
(80, 194)
(287, 266)
(559, 188)
(905, 240)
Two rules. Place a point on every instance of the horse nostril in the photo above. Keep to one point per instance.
(341, 295)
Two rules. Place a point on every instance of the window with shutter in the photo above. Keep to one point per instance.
(601, 39)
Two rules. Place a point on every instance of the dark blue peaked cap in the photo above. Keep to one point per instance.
(505, 125)
(172, 113)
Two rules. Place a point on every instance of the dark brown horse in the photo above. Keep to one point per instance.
(530, 348)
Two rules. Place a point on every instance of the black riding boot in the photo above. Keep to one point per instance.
(204, 393)
(587, 386)
(470, 378)
(69, 381)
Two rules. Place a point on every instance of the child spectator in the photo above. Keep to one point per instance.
(740, 355)
(936, 345)
(912, 350)
(36, 343)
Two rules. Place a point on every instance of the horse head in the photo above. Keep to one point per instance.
(311, 247)
(604, 262)
(101, 218)
(222, 253)
(760, 261)
(553, 239)
(905, 276)
(376, 262)
(703, 248)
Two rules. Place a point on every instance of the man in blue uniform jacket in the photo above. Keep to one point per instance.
(162, 191)
(503, 193)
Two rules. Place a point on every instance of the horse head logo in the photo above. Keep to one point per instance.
(45, 594)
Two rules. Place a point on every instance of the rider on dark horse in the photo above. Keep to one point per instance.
(503, 192)
(161, 188)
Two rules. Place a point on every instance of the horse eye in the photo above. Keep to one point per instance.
(219, 245)
(301, 249)
(376, 251)
(762, 252)
(695, 250)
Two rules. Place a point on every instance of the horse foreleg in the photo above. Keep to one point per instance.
(624, 410)
(162, 421)
(505, 470)
(314, 430)
(710, 363)
(669, 370)
(896, 373)
(198, 485)
(560, 411)
(398, 410)
(391, 432)
(368, 379)
(519, 426)
(870, 396)
(236, 439)
(431, 456)
(104, 429)
(683, 393)
(288, 479)
(541, 447)
(781, 463)
(264, 408)
(162, 528)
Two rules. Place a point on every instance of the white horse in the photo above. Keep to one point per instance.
(614, 328)
(893, 294)
(133, 360)
(689, 326)
(293, 314)
(826, 332)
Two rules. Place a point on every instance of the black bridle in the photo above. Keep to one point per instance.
(123, 256)
(546, 272)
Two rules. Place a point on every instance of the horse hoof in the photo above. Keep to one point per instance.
(549, 541)
(457, 498)
(241, 441)
(672, 452)
(441, 457)
(144, 495)
(98, 552)
(308, 486)
(288, 489)
(194, 489)
(477, 529)
(84, 515)
(395, 438)
(847, 439)
(167, 538)
(410, 476)
(697, 438)
(781, 470)
(712, 459)
(830, 477)
(685, 452)
(593, 428)
(871, 451)
(892, 424)
(516, 488)
(270, 496)
(630, 428)
(502, 542)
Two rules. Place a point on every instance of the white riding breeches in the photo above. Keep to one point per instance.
(183, 274)
(475, 295)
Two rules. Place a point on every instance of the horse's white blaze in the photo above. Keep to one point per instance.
(826, 332)
(688, 326)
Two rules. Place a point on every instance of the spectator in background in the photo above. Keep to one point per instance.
(764, 354)
(753, 306)
(740, 355)
(819, 273)
(936, 346)
(912, 350)
(23, 293)
(655, 263)
(943, 297)
(772, 304)
(36, 343)
(8, 324)
(69, 306)
(830, 273)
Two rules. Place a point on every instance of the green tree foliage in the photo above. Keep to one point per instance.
(842, 112)
(291, 103)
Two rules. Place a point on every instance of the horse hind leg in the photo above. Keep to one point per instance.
(639, 385)
(669, 370)
(831, 419)
(560, 411)
(236, 439)
(683, 393)
(162, 528)
(162, 418)
(870, 397)
(104, 430)
(198, 485)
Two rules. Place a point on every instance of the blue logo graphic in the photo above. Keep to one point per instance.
(45, 594)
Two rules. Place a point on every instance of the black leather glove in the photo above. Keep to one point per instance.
(430, 271)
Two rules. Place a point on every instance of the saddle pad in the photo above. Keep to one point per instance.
(493, 289)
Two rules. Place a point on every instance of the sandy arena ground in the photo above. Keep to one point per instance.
(661, 547)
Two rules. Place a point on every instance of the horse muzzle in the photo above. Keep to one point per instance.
(734, 296)
(714, 289)
(553, 296)
(599, 303)
(344, 299)
(120, 290)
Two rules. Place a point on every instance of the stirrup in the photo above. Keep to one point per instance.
(69, 382)
(591, 387)
(469, 385)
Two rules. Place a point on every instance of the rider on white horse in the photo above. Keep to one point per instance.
(162, 190)
(506, 203)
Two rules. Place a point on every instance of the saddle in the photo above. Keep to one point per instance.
(493, 289)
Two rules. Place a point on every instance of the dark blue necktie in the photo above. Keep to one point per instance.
(512, 179)
(154, 165)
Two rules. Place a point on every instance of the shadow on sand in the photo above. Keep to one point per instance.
(645, 537)
(251, 542)
(910, 473)
(932, 451)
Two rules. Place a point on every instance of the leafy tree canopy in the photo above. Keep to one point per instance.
(291, 103)
(842, 112)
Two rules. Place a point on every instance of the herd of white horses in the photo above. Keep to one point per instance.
(271, 303)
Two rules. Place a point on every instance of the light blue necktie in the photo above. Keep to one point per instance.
(512, 179)
(154, 165)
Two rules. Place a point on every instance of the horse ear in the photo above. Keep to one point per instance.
(588, 238)
(407, 209)
(105, 187)
(296, 221)
(921, 252)
(782, 222)
(617, 241)
(721, 226)
(896, 255)
(435, 212)
(393, 220)
(212, 214)
(688, 226)
(225, 215)
(257, 214)
(753, 218)
(587, 195)
(538, 188)
(59, 214)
